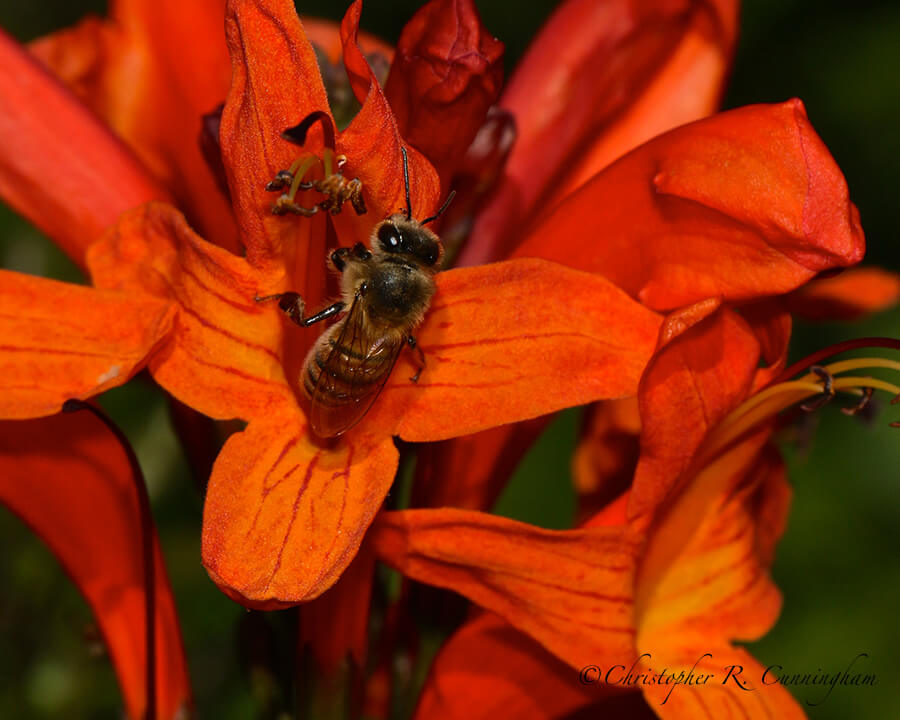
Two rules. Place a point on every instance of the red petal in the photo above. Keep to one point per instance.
(67, 477)
(275, 84)
(848, 296)
(600, 79)
(688, 388)
(59, 166)
(372, 145)
(283, 517)
(570, 590)
(63, 341)
(772, 326)
(754, 188)
(446, 73)
(336, 624)
(489, 670)
(131, 71)
(224, 356)
(493, 357)
(607, 453)
(470, 471)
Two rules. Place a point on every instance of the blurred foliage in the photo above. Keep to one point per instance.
(837, 564)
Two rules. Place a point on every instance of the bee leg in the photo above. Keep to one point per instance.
(328, 312)
(361, 252)
(290, 303)
(339, 258)
(293, 306)
(420, 357)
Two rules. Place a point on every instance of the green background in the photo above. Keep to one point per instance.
(838, 564)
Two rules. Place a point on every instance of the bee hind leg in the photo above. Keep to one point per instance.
(420, 357)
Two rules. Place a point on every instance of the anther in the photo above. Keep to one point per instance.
(333, 184)
(862, 404)
(282, 180)
(827, 389)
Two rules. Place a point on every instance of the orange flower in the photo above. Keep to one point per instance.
(187, 309)
(667, 221)
(286, 513)
(657, 585)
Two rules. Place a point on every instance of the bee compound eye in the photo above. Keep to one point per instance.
(389, 237)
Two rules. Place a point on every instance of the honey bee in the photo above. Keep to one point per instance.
(386, 291)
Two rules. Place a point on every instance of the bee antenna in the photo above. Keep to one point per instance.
(443, 208)
(406, 182)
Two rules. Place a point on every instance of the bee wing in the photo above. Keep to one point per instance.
(351, 377)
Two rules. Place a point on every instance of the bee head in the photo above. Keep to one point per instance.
(397, 235)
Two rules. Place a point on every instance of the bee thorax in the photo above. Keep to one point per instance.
(398, 294)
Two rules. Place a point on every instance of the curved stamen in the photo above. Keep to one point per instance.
(862, 404)
(775, 398)
(827, 389)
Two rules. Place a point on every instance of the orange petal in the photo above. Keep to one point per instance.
(512, 341)
(59, 166)
(772, 325)
(705, 570)
(600, 79)
(714, 586)
(689, 386)
(80, 56)
(224, 356)
(275, 84)
(372, 145)
(470, 472)
(128, 68)
(446, 74)
(336, 624)
(63, 341)
(67, 477)
(733, 687)
(754, 188)
(848, 296)
(283, 517)
(570, 590)
(687, 87)
(489, 670)
(173, 36)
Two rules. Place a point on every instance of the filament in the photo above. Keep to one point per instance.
(776, 398)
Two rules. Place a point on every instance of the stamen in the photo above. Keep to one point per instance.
(862, 404)
(821, 384)
(827, 389)
(333, 184)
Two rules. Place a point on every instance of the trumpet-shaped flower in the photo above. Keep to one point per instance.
(741, 207)
(653, 589)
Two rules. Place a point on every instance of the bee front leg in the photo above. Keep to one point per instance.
(293, 306)
(420, 357)
(361, 252)
(339, 258)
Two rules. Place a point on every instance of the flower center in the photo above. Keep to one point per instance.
(336, 188)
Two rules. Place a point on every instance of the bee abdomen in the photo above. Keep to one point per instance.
(347, 373)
